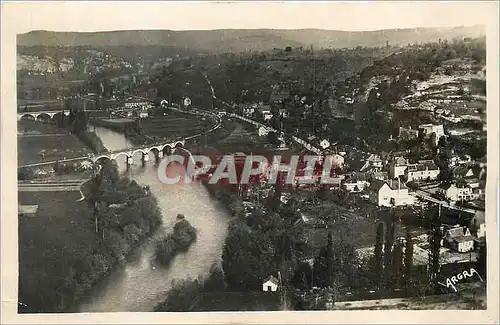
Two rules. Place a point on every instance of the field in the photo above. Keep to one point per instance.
(39, 142)
(50, 203)
(173, 127)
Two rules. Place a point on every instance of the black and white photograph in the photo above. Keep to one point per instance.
(199, 157)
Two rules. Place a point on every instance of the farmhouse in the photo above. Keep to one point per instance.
(270, 284)
(391, 193)
(456, 192)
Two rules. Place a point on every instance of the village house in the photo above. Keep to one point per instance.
(374, 161)
(459, 239)
(459, 160)
(382, 176)
(247, 110)
(407, 133)
(456, 192)
(263, 131)
(140, 113)
(355, 182)
(397, 168)
(266, 112)
(270, 284)
(429, 129)
(324, 143)
(131, 104)
(390, 193)
(425, 170)
(283, 112)
(471, 176)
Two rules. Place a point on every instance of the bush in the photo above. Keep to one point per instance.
(91, 140)
(183, 236)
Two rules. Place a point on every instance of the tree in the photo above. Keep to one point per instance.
(324, 264)
(397, 266)
(435, 237)
(389, 242)
(408, 262)
(247, 258)
(378, 252)
(388, 247)
(288, 49)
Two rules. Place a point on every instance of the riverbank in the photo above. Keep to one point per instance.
(128, 129)
(68, 246)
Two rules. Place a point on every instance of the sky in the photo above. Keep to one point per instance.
(354, 16)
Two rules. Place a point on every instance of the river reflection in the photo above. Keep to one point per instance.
(138, 285)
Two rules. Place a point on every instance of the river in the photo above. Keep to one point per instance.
(138, 285)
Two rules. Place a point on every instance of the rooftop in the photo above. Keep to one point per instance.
(272, 279)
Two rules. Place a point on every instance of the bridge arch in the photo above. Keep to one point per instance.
(57, 116)
(43, 117)
(167, 149)
(178, 144)
(143, 151)
(101, 158)
(125, 153)
(27, 116)
(154, 150)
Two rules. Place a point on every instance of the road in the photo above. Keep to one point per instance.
(50, 187)
(425, 196)
(53, 162)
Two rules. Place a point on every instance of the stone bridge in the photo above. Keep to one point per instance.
(158, 150)
(35, 115)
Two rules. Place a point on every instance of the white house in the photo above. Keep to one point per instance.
(324, 143)
(397, 167)
(248, 111)
(456, 192)
(407, 133)
(429, 129)
(137, 104)
(355, 182)
(422, 171)
(374, 161)
(459, 239)
(391, 193)
(270, 284)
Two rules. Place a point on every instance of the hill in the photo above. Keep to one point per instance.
(239, 40)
